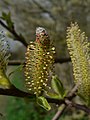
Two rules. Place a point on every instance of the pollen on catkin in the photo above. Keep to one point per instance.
(39, 62)
(79, 49)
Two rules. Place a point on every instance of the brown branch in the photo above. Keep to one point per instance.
(16, 62)
(62, 60)
(81, 107)
(13, 91)
(73, 90)
(78, 106)
(19, 62)
(17, 37)
(69, 103)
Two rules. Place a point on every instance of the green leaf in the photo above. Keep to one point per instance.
(52, 95)
(43, 103)
(19, 68)
(58, 86)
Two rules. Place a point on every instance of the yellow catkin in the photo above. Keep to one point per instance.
(79, 49)
(39, 62)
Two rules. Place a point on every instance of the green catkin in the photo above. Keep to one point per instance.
(79, 49)
(4, 51)
(39, 62)
(4, 57)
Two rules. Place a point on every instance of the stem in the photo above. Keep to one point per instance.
(13, 91)
(59, 113)
(18, 37)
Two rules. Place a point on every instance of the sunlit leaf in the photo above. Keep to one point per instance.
(52, 95)
(43, 103)
(58, 86)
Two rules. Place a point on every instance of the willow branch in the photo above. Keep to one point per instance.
(19, 62)
(16, 62)
(78, 106)
(73, 91)
(17, 37)
(59, 113)
(81, 107)
(62, 60)
(13, 91)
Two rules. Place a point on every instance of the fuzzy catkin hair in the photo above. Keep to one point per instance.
(79, 49)
(4, 51)
(39, 62)
(4, 57)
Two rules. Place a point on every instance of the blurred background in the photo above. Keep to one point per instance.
(55, 16)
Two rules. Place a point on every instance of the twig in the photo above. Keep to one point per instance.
(74, 89)
(13, 91)
(17, 37)
(81, 107)
(16, 62)
(19, 62)
(78, 106)
(59, 113)
(71, 95)
(18, 93)
(62, 60)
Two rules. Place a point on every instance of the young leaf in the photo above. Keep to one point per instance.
(58, 86)
(7, 18)
(52, 95)
(43, 103)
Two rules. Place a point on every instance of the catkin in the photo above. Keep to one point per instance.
(79, 49)
(4, 51)
(39, 62)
